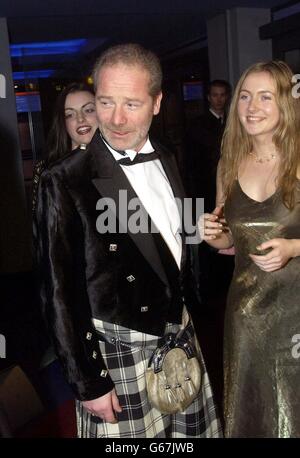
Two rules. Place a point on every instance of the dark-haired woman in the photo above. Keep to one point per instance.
(73, 127)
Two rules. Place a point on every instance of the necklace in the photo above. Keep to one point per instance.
(263, 159)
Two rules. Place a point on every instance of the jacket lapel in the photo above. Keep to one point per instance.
(109, 180)
(170, 167)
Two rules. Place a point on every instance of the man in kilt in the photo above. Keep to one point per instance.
(113, 285)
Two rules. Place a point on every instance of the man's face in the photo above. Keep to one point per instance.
(124, 107)
(217, 98)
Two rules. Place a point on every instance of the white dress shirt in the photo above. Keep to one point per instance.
(152, 186)
(216, 115)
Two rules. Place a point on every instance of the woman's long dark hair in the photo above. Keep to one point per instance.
(59, 142)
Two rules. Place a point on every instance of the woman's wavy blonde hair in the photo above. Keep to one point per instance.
(237, 144)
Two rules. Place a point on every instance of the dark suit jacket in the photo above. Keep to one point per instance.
(203, 149)
(124, 278)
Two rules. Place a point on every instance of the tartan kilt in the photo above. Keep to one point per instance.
(126, 354)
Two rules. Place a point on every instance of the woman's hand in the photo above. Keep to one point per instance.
(211, 225)
(282, 250)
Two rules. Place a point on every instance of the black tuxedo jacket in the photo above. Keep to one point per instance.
(205, 136)
(120, 277)
(203, 153)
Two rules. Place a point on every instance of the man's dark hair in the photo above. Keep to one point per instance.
(219, 83)
(59, 142)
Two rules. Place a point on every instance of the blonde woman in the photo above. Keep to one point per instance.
(259, 184)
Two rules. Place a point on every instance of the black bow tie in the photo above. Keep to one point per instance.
(139, 158)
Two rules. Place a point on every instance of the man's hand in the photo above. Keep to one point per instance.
(104, 407)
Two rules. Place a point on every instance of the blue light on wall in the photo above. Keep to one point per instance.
(32, 74)
(47, 48)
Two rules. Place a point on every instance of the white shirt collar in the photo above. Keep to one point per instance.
(146, 149)
(215, 114)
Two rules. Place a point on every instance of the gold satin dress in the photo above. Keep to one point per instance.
(262, 324)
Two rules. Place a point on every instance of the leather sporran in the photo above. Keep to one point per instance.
(173, 377)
